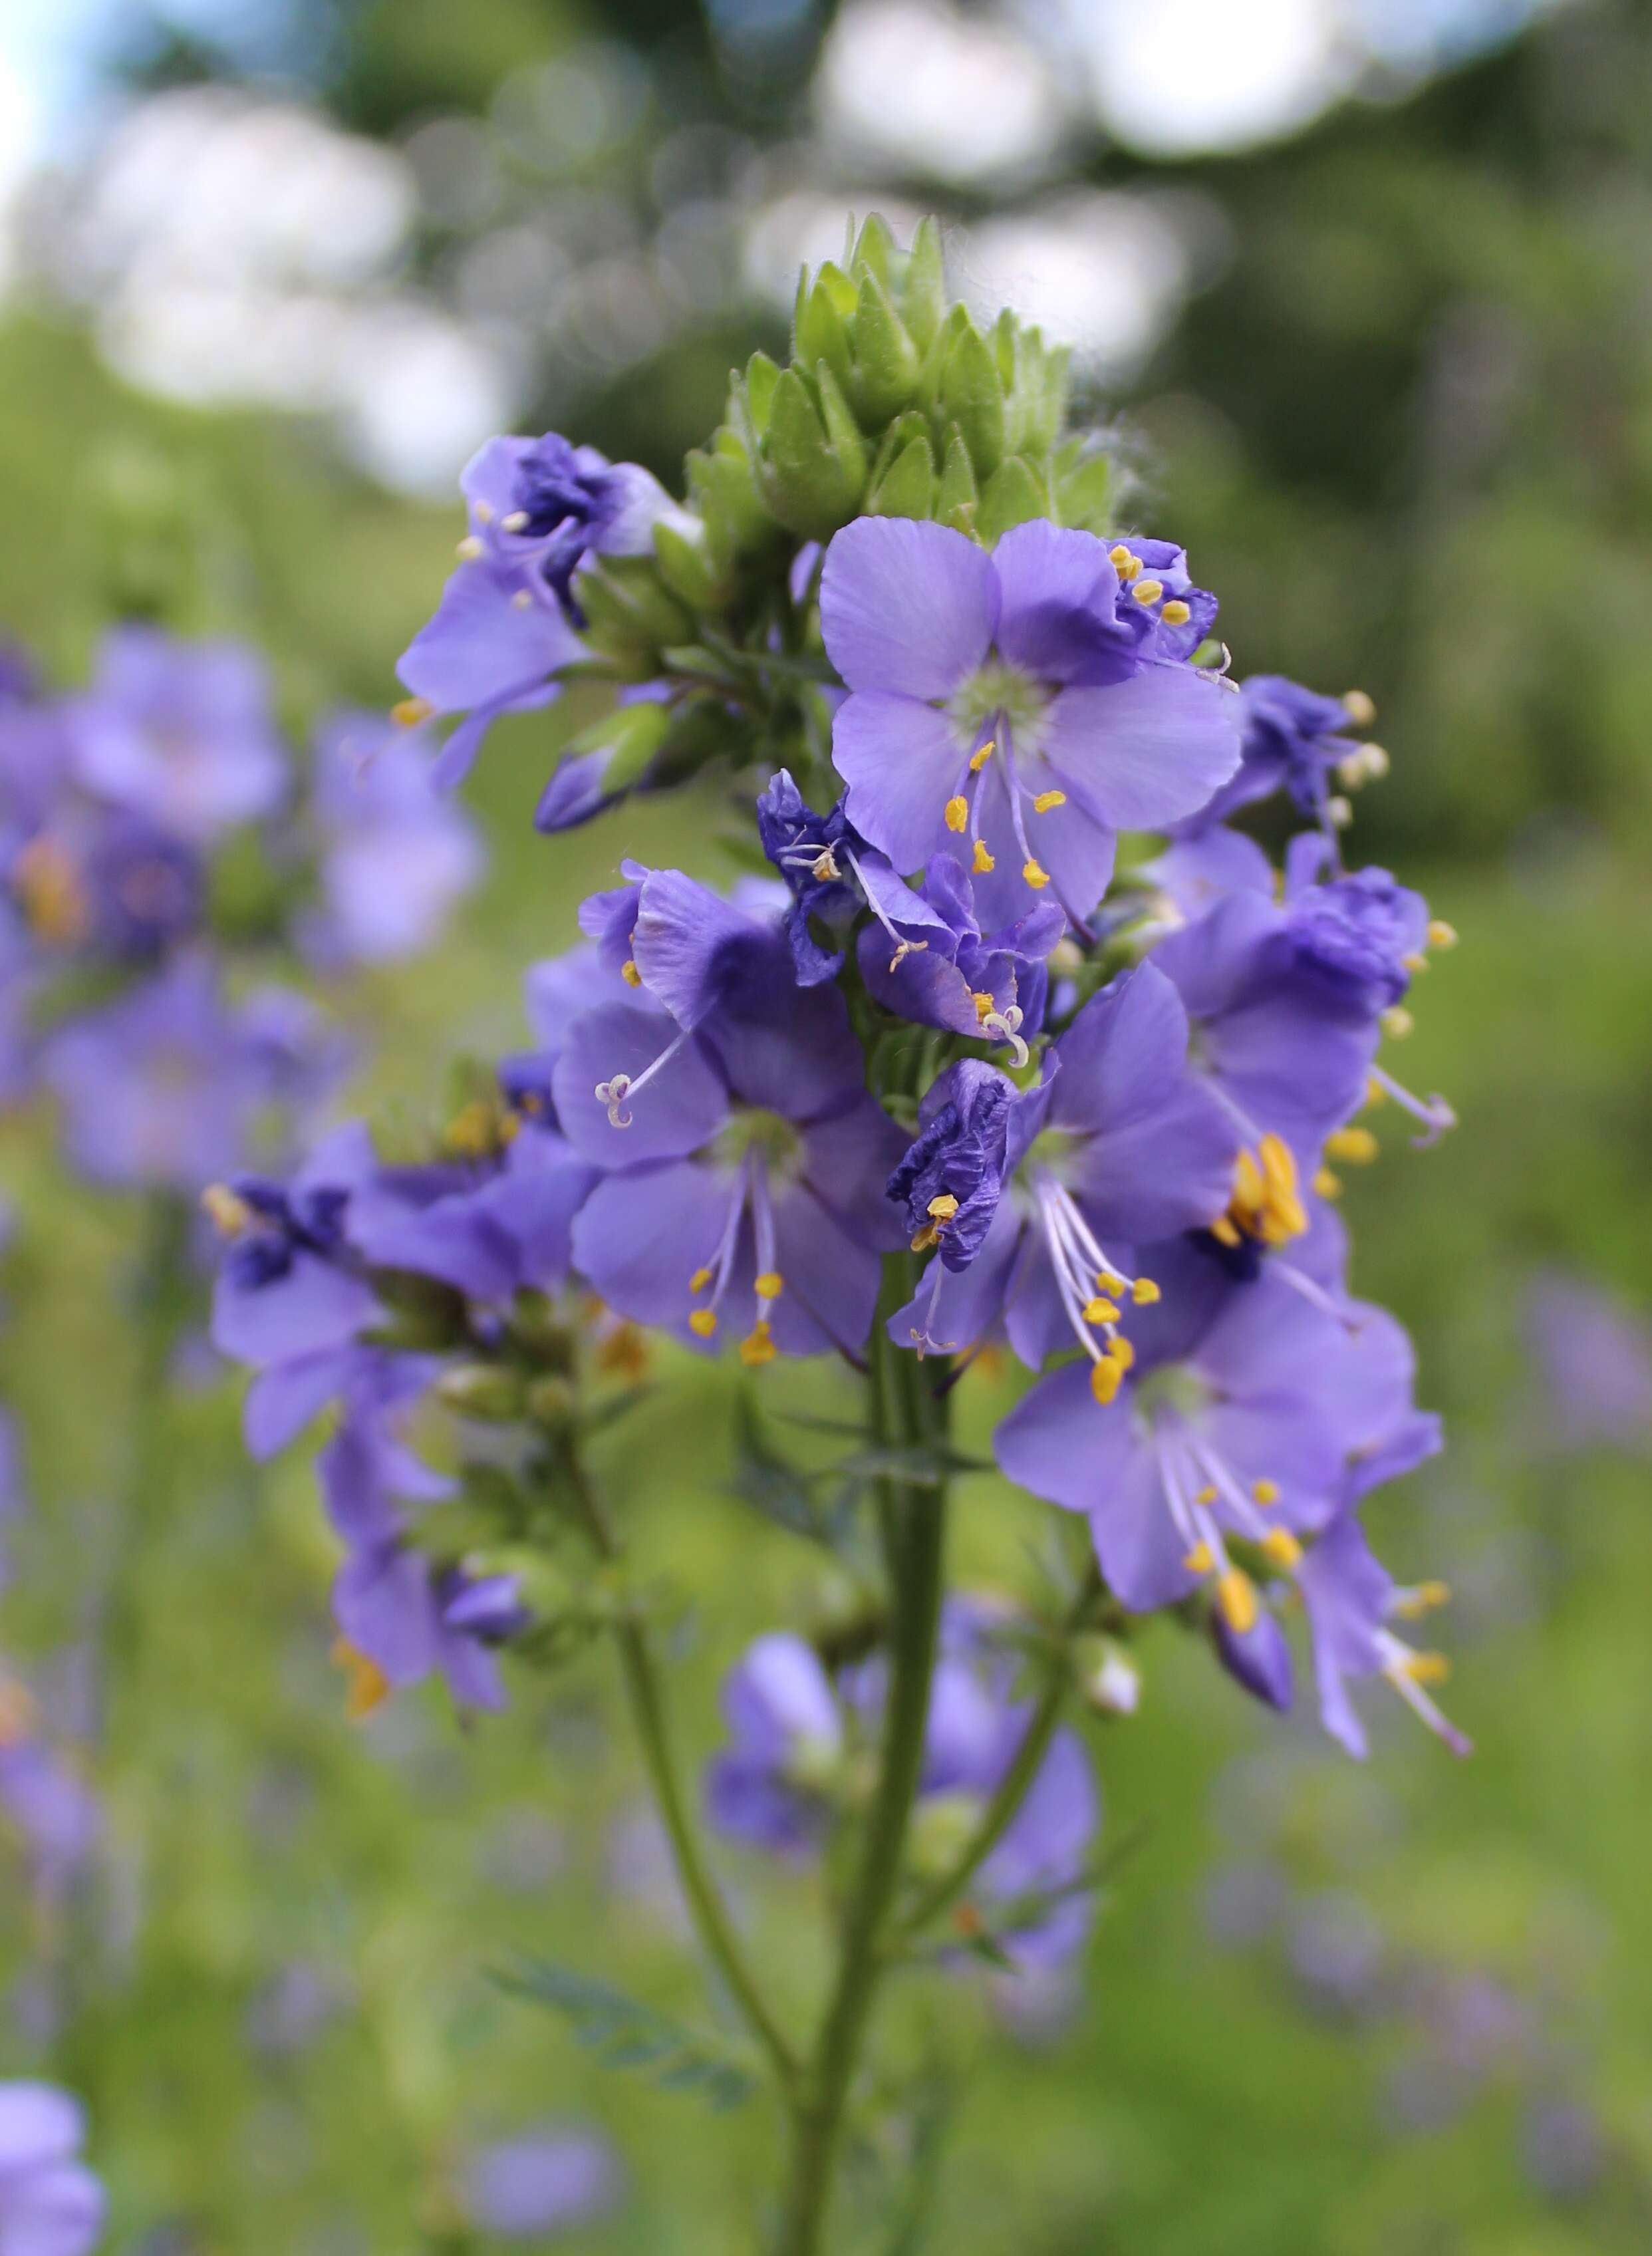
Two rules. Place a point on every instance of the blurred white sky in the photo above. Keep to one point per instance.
(237, 247)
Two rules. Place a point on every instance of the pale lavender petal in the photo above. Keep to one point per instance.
(482, 644)
(901, 761)
(681, 1110)
(906, 606)
(1148, 751)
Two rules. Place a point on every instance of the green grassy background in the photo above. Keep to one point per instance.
(1195, 2102)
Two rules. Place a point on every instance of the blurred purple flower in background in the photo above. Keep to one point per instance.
(396, 854)
(1594, 1360)
(50, 2202)
(543, 2181)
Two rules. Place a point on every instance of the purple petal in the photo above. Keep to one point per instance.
(681, 1110)
(907, 606)
(642, 1236)
(1145, 752)
(901, 761)
(314, 1306)
(482, 644)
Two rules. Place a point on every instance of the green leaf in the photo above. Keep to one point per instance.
(842, 432)
(783, 1491)
(624, 2033)
(762, 376)
(886, 372)
(908, 486)
(923, 301)
(1012, 495)
(688, 569)
(817, 327)
(972, 397)
(918, 1467)
(804, 480)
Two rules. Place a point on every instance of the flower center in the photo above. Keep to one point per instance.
(766, 1136)
(997, 688)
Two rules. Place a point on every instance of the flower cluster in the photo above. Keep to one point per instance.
(154, 838)
(1017, 1043)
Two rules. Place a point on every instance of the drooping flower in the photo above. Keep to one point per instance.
(745, 1160)
(1033, 1197)
(818, 856)
(1025, 706)
(397, 854)
(179, 732)
(1260, 1430)
(771, 1788)
(506, 623)
(50, 2202)
(1351, 1599)
(927, 958)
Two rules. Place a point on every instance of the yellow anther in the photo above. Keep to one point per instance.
(978, 760)
(48, 885)
(1279, 1162)
(1326, 1184)
(624, 1353)
(411, 712)
(1206, 1495)
(700, 1280)
(1236, 1595)
(629, 972)
(1224, 1232)
(226, 1211)
(473, 1132)
(984, 864)
(1121, 560)
(1109, 1280)
(770, 1285)
(1358, 707)
(1101, 1312)
(704, 1322)
(958, 812)
(1282, 1549)
(1358, 1146)
(1176, 613)
(1375, 1093)
(1266, 1204)
(470, 549)
(1105, 1379)
(1145, 1292)
(1036, 877)
(1147, 591)
(943, 1206)
(926, 1236)
(1441, 934)
(1200, 1560)
(759, 1348)
(366, 1685)
(1413, 963)
(1397, 1023)
(1265, 1492)
(1122, 1354)
(1425, 1668)
(1421, 1599)
(985, 1007)
(824, 870)
(1047, 800)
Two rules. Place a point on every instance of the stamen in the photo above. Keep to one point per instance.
(1176, 613)
(614, 1091)
(1358, 707)
(1421, 1598)
(759, 1348)
(1357, 1147)
(516, 522)
(825, 870)
(366, 1685)
(958, 812)
(1327, 1184)
(1236, 1595)
(1441, 934)
(227, 1210)
(1436, 1114)
(943, 1206)
(1145, 1292)
(1282, 1549)
(704, 1322)
(1105, 1378)
(1201, 1558)
(1101, 1312)
(700, 1280)
(1047, 800)
(770, 1285)
(410, 712)
(984, 864)
(629, 972)
(1266, 1492)
(978, 760)
(470, 549)
(1035, 875)
(1147, 591)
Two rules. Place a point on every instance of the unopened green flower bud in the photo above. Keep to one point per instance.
(632, 736)
(885, 375)
(813, 462)
(1012, 495)
(482, 1390)
(972, 398)
(959, 496)
(908, 487)
(942, 1827)
(551, 1401)
(630, 615)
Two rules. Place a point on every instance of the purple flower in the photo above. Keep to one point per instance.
(179, 732)
(1258, 1432)
(400, 1611)
(1351, 1599)
(397, 854)
(928, 960)
(772, 1789)
(48, 1802)
(1027, 705)
(106, 882)
(506, 625)
(552, 2179)
(170, 1085)
(50, 2202)
(818, 856)
(1293, 742)
(1033, 1196)
(744, 1160)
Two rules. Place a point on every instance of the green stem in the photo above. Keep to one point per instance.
(700, 1890)
(914, 1522)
